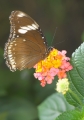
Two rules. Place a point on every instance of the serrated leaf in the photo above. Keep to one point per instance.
(76, 77)
(72, 115)
(53, 106)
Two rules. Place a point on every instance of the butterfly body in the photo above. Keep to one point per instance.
(26, 44)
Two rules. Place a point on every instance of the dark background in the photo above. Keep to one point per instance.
(20, 92)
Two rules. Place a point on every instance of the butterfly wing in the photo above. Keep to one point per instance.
(26, 44)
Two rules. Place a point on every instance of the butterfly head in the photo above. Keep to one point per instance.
(50, 48)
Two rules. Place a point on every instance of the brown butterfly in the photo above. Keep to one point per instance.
(26, 45)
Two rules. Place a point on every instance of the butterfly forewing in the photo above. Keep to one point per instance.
(26, 44)
(24, 26)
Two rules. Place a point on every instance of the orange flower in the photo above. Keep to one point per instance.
(61, 74)
(55, 64)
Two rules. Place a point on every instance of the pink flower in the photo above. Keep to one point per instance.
(43, 83)
(63, 53)
(49, 78)
(66, 66)
(53, 71)
(39, 76)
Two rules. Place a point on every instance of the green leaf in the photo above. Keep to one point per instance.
(53, 106)
(72, 115)
(76, 78)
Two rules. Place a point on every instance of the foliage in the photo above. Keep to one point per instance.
(75, 95)
(53, 106)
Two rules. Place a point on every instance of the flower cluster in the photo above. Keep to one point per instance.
(56, 64)
(62, 85)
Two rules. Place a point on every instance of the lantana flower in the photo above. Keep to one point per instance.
(56, 64)
(62, 85)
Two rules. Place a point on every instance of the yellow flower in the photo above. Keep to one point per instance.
(56, 63)
(62, 85)
(54, 52)
(39, 67)
(48, 62)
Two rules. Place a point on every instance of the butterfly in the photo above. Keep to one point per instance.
(26, 45)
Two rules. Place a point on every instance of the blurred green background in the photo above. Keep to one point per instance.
(20, 92)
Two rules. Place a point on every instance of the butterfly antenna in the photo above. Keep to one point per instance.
(60, 42)
(54, 35)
